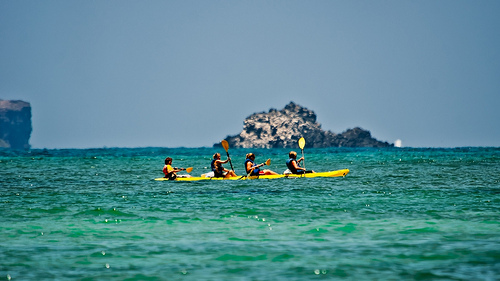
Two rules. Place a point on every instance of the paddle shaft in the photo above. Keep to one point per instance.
(230, 163)
(302, 144)
(185, 169)
(303, 159)
(225, 145)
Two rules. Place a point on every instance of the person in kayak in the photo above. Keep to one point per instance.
(169, 171)
(217, 168)
(293, 164)
(253, 169)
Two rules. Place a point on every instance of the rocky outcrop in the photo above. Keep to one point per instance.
(15, 124)
(283, 129)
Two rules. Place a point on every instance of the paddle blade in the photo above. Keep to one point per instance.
(225, 144)
(226, 147)
(189, 169)
(268, 162)
(302, 143)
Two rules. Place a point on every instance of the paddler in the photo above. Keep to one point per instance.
(294, 165)
(253, 170)
(217, 168)
(171, 172)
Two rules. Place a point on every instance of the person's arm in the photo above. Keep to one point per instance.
(248, 167)
(296, 166)
(218, 164)
(173, 170)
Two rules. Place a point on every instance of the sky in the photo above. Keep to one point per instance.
(187, 73)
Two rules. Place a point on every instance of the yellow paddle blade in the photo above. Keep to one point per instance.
(225, 144)
(189, 169)
(302, 143)
(268, 162)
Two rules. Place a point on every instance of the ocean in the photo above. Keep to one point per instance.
(400, 214)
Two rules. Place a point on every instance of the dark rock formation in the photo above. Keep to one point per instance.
(15, 124)
(283, 129)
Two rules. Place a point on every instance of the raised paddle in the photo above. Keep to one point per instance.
(226, 147)
(302, 143)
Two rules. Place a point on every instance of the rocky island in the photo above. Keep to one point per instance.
(283, 129)
(15, 124)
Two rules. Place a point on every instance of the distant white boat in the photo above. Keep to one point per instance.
(397, 143)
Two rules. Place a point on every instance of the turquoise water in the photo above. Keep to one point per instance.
(400, 214)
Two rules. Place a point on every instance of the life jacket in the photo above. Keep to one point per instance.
(289, 164)
(255, 171)
(169, 175)
(218, 171)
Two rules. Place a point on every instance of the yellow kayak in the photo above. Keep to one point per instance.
(330, 174)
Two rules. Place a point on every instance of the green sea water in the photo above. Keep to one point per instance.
(400, 214)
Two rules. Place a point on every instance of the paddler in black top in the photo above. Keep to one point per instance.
(217, 168)
(293, 164)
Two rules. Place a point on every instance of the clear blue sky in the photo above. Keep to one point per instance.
(187, 73)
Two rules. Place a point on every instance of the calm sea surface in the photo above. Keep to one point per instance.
(400, 214)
